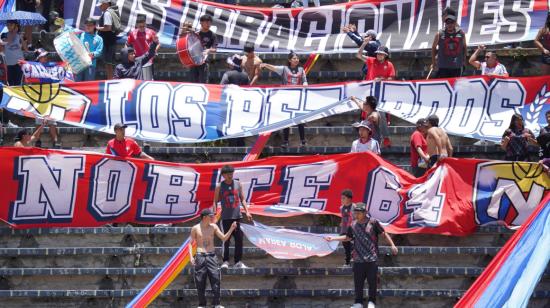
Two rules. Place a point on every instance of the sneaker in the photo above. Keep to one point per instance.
(240, 265)
(219, 306)
(10, 124)
(371, 305)
(225, 265)
(284, 145)
(162, 225)
(57, 145)
(304, 143)
(356, 305)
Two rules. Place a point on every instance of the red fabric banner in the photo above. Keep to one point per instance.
(52, 188)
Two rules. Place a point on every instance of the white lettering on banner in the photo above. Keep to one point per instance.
(112, 183)
(153, 109)
(189, 112)
(426, 200)
(47, 187)
(271, 241)
(171, 193)
(302, 184)
(245, 109)
(465, 110)
(115, 97)
(259, 178)
(383, 198)
(283, 104)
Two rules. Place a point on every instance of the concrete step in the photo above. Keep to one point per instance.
(245, 298)
(251, 278)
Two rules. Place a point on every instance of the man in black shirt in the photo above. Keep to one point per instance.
(364, 232)
(235, 76)
(209, 41)
(132, 67)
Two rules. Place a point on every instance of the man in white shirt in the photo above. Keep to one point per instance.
(491, 66)
(365, 142)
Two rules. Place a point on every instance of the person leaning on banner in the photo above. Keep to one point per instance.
(516, 140)
(365, 143)
(439, 144)
(251, 63)
(24, 138)
(235, 75)
(346, 210)
(291, 74)
(229, 193)
(450, 49)
(364, 232)
(209, 41)
(379, 67)
(205, 263)
(94, 44)
(141, 39)
(107, 31)
(372, 45)
(491, 66)
(123, 146)
(419, 148)
(132, 66)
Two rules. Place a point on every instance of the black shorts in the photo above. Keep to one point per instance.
(433, 160)
(108, 55)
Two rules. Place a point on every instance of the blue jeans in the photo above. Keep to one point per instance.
(86, 75)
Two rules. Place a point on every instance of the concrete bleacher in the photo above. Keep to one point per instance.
(106, 267)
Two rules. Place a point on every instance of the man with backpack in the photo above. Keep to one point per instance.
(108, 28)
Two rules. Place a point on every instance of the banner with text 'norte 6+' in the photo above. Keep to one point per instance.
(173, 112)
(53, 188)
(401, 24)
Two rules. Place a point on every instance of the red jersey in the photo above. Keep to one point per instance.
(417, 140)
(126, 148)
(376, 69)
(141, 40)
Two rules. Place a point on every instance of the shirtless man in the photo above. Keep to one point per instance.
(205, 262)
(24, 138)
(251, 64)
(439, 145)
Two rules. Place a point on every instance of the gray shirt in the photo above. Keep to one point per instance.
(230, 200)
(295, 77)
(12, 50)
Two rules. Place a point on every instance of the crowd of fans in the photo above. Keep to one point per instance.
(429, 143)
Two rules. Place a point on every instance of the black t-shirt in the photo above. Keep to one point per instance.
(208, 39)
(365, 240)
(544, 141)
(25, 5)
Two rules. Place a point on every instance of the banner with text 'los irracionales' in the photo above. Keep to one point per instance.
(175, 112)
(47, 188)
(401, 24)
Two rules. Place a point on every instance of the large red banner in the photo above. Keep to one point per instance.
(49, 188)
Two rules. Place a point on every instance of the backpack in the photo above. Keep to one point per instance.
(116, 27)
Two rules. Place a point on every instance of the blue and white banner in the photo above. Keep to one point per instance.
(288, 244)
(173, 112)
(36, 72)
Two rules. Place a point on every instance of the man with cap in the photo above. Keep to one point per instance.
(235, 75)
(229, 193)
(24, 138)
(132, 66)
(364, 232)
(365, 143)
(419, 148)
(94, 44)
(141, 38)
(107, 32)
(123, 146)
(450, 49)
(251, 63)
(370, 48)
(205, 262)
(379, 67)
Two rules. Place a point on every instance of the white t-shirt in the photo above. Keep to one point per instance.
(107, 19)
(499, 69)
(371, 145)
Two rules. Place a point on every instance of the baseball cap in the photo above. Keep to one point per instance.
(100, 2)
(364, 123)
(207, 212)
(90, 21)
(383, 50)
(421, 122)
(41, 53)
(360, 207)
(451, 17)
(371, 33)
(120, 126)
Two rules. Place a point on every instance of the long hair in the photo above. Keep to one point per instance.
(515, 117)
(290, 56)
